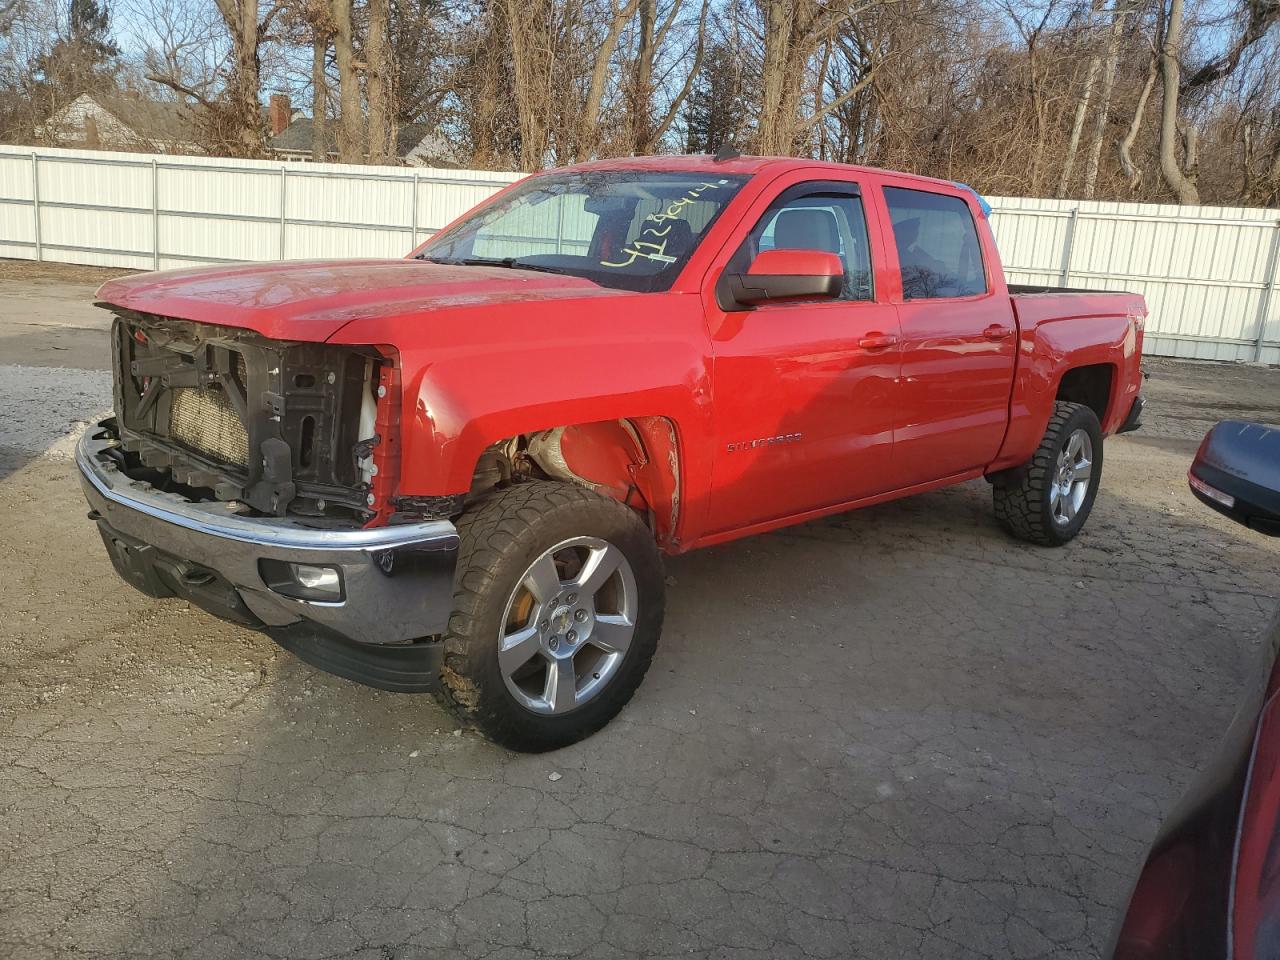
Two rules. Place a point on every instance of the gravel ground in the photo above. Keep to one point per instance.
(890, 733)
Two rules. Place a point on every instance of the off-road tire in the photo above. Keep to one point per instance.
(1022, 501)
(499, 539)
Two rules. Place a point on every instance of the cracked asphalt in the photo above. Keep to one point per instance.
(894, 733)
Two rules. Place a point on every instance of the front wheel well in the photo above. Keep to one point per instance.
(635, 461)
(1089, 386)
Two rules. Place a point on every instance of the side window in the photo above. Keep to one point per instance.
(811, 218)
(937, 245)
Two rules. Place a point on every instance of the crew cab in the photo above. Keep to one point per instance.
(459, 471)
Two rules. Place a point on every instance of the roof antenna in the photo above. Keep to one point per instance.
(727, 151)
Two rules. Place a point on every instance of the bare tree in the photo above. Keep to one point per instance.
(532, 30)
(424, 55)
(483, 85)
(350, 112)
(1077, 125)
(1119, 11)
(378, 82)
(640, 93)
(221, 76)
(661, 35)
(1132, 172)
(244, 30)
(655, 134)
(1016, 96)
(794, 31)
(588, 131)
(1032, 23)
(1180, 176)
(320, 23)
(1259, 17)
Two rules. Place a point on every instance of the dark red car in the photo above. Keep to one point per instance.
(1210, 889)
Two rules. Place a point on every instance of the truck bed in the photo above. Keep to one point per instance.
(1027, 289)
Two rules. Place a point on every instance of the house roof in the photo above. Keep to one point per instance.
(299, 135)
(150, 119)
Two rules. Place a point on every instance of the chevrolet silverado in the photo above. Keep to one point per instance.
(459, 471)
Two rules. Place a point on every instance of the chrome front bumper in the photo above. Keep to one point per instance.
(398, 580)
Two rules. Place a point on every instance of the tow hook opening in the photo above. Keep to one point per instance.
(197, 577)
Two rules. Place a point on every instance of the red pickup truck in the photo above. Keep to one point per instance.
(458, 471)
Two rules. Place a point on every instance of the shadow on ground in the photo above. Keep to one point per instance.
(890, 733)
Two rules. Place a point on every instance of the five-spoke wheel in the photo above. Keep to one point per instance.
(558, 605)
(1071, 478)
(1048, 500)
(568, 625)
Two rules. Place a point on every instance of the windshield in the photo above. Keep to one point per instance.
(629, 229)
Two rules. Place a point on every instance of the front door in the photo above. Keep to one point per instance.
(803, 405)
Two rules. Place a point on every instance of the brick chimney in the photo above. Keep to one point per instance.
(280, 112)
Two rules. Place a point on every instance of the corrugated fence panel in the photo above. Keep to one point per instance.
(1209, 274)
(222, 192)
(93, 212)
(189, 241)
(118, 209)
(17, 215)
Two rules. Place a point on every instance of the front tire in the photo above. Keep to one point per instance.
(558, 604)
(1049, 500)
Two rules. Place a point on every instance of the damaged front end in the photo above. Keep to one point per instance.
(256, 479)
(285, 428)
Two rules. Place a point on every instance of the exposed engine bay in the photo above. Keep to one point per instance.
(222, 413)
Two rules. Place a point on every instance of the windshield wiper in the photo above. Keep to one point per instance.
(510, 263)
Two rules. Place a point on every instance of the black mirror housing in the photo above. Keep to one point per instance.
(1237, 472)
(788, 274)
(751, 290)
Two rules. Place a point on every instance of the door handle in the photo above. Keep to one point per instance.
(877, 341)
(997, 332)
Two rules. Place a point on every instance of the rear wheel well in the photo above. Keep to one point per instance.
(1090, 386)
(635, 461)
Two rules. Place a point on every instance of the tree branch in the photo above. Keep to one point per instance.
(839, 101)
(661, 36)
(690, 77)
(179, 87)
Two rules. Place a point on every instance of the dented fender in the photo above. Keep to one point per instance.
(632, 381)
(634, 461)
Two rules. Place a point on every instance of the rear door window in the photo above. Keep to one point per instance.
(937, 243)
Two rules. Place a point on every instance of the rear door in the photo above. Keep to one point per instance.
(803, 391)
(958, 338)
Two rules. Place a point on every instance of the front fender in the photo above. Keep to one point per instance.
(472, 377)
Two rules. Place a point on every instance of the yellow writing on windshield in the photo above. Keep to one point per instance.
(651, 242)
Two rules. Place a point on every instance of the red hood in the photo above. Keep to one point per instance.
(311, 300)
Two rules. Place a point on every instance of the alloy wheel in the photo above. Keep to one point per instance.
(1071, 477)
(568, 625)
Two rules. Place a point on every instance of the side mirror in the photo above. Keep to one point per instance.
(1237, 473)
(783, 275)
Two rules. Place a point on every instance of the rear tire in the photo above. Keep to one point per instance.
(1049, 500)
(545, 645)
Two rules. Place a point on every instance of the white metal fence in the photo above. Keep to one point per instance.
(156, 212)
(1209, 273)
